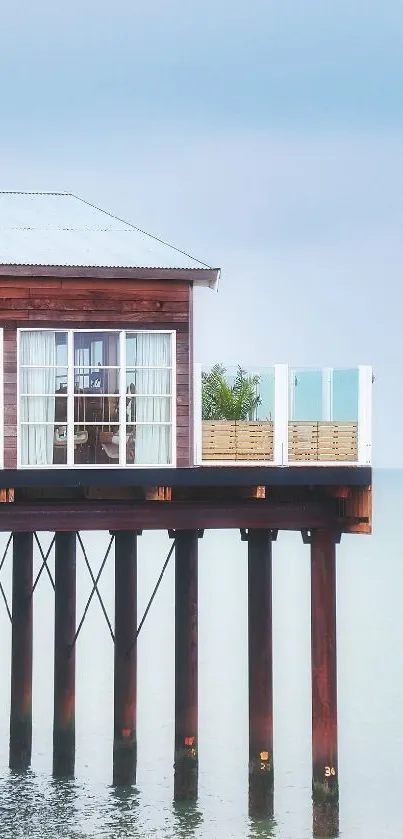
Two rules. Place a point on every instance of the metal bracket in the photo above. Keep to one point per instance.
(173, 533)
(271, 532)
(307, 536)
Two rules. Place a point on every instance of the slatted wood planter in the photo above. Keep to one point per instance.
(247, 441)
(323, 441)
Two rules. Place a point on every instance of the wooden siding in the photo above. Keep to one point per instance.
(184, 425)
(81, 303)
(84, 302)
(243, 441)
(323, 441)
(10, 397)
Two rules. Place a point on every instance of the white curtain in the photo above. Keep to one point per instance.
(153, 441)
(37, 348)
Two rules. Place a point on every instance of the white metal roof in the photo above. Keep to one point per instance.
(61, 229)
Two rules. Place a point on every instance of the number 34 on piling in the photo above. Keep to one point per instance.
(329, 770)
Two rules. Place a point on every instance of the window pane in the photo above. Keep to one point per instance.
(153, 382)
(149, 445)
(90, 408)
(96, 348)
(148, 409)
(43, 380)
(96, 379)
(42, 445)
(43, 347)
(38, 408)
(148, 349)
(61, 349)
(96, 444)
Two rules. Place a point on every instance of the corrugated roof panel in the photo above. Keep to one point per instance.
(62, 229)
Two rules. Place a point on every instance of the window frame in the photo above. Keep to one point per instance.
(122, 333)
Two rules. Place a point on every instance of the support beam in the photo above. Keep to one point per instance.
(64, 656)
(325, 788)
(186, 666)
(261, 774)
(178, 515)
(21, 653)
(125, 687)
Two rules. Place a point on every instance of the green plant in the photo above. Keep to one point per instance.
(223, 401)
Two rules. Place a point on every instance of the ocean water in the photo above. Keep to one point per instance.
(370, 685)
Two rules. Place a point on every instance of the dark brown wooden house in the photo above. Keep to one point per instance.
(102, 428)
(97, 338)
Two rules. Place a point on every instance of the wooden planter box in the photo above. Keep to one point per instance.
(233, 440)
(323, 441)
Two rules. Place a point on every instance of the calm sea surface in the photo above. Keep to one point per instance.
(370, 660)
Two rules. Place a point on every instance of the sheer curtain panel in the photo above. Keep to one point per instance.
(37, 388)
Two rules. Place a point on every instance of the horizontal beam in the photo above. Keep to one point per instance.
(194, 476)
(179, 515)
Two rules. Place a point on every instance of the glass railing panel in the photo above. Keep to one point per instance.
(306, 395)
(323, 415)
(237, 414)
(345, 394)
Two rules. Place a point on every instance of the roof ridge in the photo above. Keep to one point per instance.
(33, 192)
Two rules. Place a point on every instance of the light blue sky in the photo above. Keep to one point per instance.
(264, 137)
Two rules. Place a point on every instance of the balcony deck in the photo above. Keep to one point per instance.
(301, 417)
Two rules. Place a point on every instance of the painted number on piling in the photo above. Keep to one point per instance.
(329, 770)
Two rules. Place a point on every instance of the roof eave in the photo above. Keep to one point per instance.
(197, 276)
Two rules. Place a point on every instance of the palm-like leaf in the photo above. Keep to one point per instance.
(222, 401)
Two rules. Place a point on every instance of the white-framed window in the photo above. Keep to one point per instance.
(96, 397)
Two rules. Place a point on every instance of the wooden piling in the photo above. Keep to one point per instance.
(325, 822)
(21, 653)
(125, 683)
(325, 788)
(186, 666)
(261, 772)
(64, 655)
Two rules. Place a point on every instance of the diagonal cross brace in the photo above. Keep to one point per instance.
(94, 590)
(3, 594)
(45, 558)
(156, 587)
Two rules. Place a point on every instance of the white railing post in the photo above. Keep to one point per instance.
(327, 393)
(197, 414)
(281, 396)
(364, 414)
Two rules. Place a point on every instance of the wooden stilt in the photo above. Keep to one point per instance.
(21, 653)
(325, 788)
(125, 741)
(186, 666)
(64, 657)
(261, 773)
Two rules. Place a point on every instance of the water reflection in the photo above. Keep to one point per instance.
(187, 819)
(123, 813)
(31, 806)
(264, 828)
